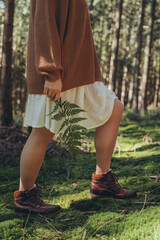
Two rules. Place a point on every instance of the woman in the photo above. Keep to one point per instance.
(62, 61)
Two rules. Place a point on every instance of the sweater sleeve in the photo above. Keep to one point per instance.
(47, 40)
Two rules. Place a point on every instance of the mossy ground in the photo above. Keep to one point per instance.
(138, 159)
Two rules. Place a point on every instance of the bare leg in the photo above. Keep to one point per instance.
(32, 156)
(105, 138)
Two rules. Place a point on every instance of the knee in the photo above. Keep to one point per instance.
(121, 107)
(118, 108)
(42, 135)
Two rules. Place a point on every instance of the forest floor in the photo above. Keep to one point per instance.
(136, 161)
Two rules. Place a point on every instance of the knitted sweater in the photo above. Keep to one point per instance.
(60, 45)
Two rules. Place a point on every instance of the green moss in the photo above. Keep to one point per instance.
(137, 161)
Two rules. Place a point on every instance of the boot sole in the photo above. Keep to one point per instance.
(34, 212)
(94, 196)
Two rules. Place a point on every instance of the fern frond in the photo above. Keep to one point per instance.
(75, 120)
(73, 105)
(64, 135)
(58, 116)
(60, 102)
(54, 109)
(76, 135)
(68, 121)
(73, 134)
(64, 103)
(74, 151)
(70, 105)
(73, 143)
(77, 128)
(64, 124)
(71, 112)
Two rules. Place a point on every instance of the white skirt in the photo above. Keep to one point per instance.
(95, 99)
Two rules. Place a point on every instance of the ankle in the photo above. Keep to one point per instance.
(100, 171)
(22, 188)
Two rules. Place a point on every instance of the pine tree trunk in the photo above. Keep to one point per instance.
(157, 84)
(6, 75)
(90, 11)
(147, 58)
(102, 22)
(125, 78)
(115, 47)
(136, 75)
(91, 5)
(157, 89)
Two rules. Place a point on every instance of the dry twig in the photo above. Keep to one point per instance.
(26, 224)
(144, 202)
(151, 203)
(51, 227)
(84, 234)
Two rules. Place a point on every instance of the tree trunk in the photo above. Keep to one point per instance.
(102, 25)
(115, 47)
(90, 11)
(91, 5)
(157, 84)
(125, 77)
(147, 59)
(6, 75)
(136, 75)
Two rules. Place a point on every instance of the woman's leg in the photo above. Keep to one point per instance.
(105, 138)
(104, 182)
(32, 156)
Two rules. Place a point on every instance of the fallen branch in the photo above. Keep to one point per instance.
(26, 224)
(7, 184)
(89, 212)
(144, 202)
(51, 227)
(67, 219)
(152, 203)
(84, 234)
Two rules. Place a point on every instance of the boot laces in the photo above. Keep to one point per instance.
(34, 195)
(114, 181)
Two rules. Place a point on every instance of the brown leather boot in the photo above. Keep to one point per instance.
(30, 201)
(106, 185)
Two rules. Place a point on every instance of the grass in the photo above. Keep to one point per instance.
(136, 159)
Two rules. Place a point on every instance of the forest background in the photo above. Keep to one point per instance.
(127, 41)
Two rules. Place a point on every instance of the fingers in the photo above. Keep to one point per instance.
(57, 97)
(51, 93)
(53, 89)
(45, 91)
(54, 95)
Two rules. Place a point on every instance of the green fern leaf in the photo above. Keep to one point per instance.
(64, 135)
(64, 103)
(58, 116)
(76, 111)
(73, 132)
(73, 105)
(54, 109)
(77, 128)
(75, 120)
(73, 143)
(76, 135)
(64, 124)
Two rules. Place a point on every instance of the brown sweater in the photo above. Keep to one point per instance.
(60, 45)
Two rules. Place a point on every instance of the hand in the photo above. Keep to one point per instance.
(53, 89)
